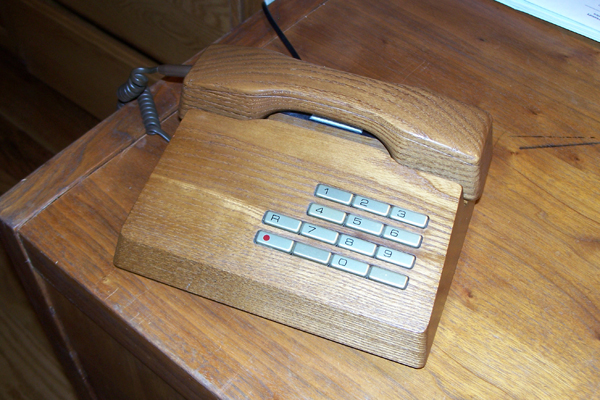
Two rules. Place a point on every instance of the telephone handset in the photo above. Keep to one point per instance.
(351, 242)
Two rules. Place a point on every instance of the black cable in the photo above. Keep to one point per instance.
(136, 87)
(279, 32)
(150, 115)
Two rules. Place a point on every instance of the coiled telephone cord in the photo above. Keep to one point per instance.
(136, 86)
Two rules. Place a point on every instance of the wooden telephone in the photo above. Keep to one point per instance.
(327, 232)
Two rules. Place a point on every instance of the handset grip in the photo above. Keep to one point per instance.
(420, 129)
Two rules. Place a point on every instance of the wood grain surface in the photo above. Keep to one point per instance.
(522, 316)
(194, 225)
(29, 368)
(420, 129)
(31, 131)
(71, 55)
(152, 27)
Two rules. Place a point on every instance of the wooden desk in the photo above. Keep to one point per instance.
(522, 317)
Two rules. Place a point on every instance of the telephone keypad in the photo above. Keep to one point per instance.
(366, 225)
(355, 222)
(373, 206)
(332, 260)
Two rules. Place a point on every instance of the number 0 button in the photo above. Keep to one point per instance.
(349, 265)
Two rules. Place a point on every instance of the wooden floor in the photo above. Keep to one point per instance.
(35, 123)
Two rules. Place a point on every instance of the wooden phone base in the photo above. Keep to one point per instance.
(195, 222)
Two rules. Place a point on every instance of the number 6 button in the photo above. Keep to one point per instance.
(402, 236)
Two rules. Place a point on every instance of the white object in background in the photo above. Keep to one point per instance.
(579, 16)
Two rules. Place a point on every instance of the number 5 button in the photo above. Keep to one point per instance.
(364, 225)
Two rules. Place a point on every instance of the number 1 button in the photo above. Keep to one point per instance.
(333, 194)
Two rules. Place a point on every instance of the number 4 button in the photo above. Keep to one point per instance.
(326, 213)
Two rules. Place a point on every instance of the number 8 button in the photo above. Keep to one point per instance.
(357, 245)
